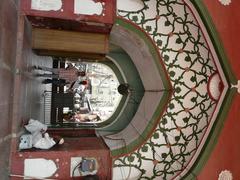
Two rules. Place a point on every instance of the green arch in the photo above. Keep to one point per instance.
(166, 86)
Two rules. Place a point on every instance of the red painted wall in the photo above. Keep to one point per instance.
(61, 155)
(68, 12)
(227, 22)
(65, 18)
(226, 154)
(8, 39)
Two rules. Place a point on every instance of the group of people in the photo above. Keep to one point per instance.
(61, 76)
(76, 82)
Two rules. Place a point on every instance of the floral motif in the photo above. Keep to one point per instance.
(189, 63)
(225, 2)
(225, 175)
(237, 86)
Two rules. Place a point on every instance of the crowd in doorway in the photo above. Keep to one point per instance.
(78, 83)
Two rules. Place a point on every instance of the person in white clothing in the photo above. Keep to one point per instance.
(39, 137)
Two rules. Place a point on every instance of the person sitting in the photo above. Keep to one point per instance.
(79, 117)
(38, 136)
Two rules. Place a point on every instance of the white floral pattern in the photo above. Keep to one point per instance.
(237, 86)
(225, 2)
(225, 175)
(189, 61)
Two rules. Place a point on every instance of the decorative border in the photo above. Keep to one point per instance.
(215, 39)
(208, 87)
(220, 111)
(212, 137)
(226, 102)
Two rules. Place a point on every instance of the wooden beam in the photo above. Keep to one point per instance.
(69, 42)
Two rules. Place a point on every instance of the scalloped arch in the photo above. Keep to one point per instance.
(189, 45)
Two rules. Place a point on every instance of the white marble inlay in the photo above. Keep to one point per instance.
(225, 175)
(46, 5)
(87, 7)
(236, 86)
(39, 168)
(124, 173)
(214, 86)
(130, 5)
(225, 2)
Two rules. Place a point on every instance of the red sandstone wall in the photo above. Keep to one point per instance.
(19, 92)
(226, 152)
(8, 38)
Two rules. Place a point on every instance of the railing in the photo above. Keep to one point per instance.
(47, 106)
(54, 104)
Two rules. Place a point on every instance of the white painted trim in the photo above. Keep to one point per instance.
(88, 7)
(46, 5)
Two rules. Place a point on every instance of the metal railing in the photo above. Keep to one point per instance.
(47, 95)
